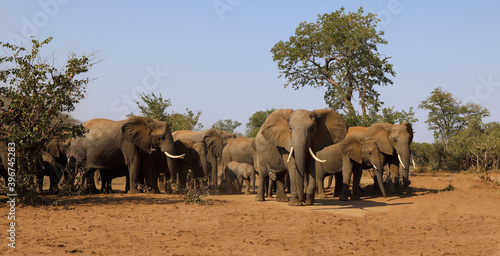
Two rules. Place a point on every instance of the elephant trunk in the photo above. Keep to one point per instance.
(169, 149)
(301, 151)
(405, 161)
(379, 173)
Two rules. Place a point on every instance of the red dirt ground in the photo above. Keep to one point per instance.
(426, 220)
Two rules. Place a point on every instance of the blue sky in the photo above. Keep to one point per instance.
(214, 55)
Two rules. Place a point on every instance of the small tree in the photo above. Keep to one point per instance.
(156, 107)
(256, 121)
(447, 115)
(227, 125)
(339, 51)
(33, 100)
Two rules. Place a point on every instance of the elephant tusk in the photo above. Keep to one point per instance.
(375, 167)
(290, 155)
(315, 157)
(401, 162)
(413, 162)
(175, 157)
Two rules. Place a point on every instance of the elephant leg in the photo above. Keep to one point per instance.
(247, 192)
(311, 188)
(270, 185)
(356, 191)
(39, 181)
(89, 177)
(280, 188)
(338, 184)
(320, 176)
(134, 167)
(262, 180)
(239, 177)
(346, 175)
(394, 169)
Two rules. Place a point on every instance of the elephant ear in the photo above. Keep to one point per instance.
(137, 131)
(331, 128)
(378, 132)
(351, 147)
(409, 128)
(275, 129)
(53, 148)
(214, 141)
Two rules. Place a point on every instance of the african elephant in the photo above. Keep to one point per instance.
(215, 140)
(194, 161)
(240, 149)
(106, 176)
(287, 140)
(109, 144)
(348, 157)
(238, 172)
(394, 141)
(53, 163)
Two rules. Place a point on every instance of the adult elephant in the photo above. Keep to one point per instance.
(109, 144)
(242, 150)
(53, 163)
(394, 141)
(215, 140)
(194, 161)
(349, 157)
(287, 140)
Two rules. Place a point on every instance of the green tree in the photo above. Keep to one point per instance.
(388, 115)
(35, 96)
(256, 121)
(338, 52)
(153, 106)
(227, 125)
(447, 115)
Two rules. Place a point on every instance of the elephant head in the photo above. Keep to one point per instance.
(195, 155)
(364, 152)
(148, 134)
(216, 140)
(58, 147)
(394, 140)
(302, 133)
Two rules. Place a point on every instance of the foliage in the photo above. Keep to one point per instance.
(256, 121)
(227, 125)
(338, 52)
(447, 115)
(156, 107)
(196, 188)
(34, 98)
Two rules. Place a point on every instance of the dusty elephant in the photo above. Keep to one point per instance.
(287, 140)
(394, 141)
(242, 150)
(195, 160)
(53, 163)
(106, 176)
(348, 157)
(215, 140)
(238, 172)
(109, 144)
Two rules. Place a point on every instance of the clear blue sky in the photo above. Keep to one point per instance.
(218, 60)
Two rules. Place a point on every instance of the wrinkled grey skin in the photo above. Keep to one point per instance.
(215, 140)
(242, 150)
(301, 129)
(194, 161)
(110, 144)
(238, 172)
(392, 139)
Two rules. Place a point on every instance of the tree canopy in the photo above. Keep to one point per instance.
(35, 96)
(153, 106)
(227, 125)
(256, 121)
(339, 52)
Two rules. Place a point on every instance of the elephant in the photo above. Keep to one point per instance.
(53, 163)
(242, 150)
(194, 161)
(235, 171)
(394, 141)
(107, 175)
(109, 144)
(285, 141)
(215, 140)
(348, 157)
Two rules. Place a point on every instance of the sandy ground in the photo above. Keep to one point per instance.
(426, 220)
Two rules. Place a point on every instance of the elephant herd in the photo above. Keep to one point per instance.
(304, 145)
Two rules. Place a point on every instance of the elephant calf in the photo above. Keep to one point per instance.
(235, 173)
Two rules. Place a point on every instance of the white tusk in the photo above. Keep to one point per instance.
(375, 167)
(290, 155)
(172, 156)
(413, 162)
(315, 157)
(401, 162)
